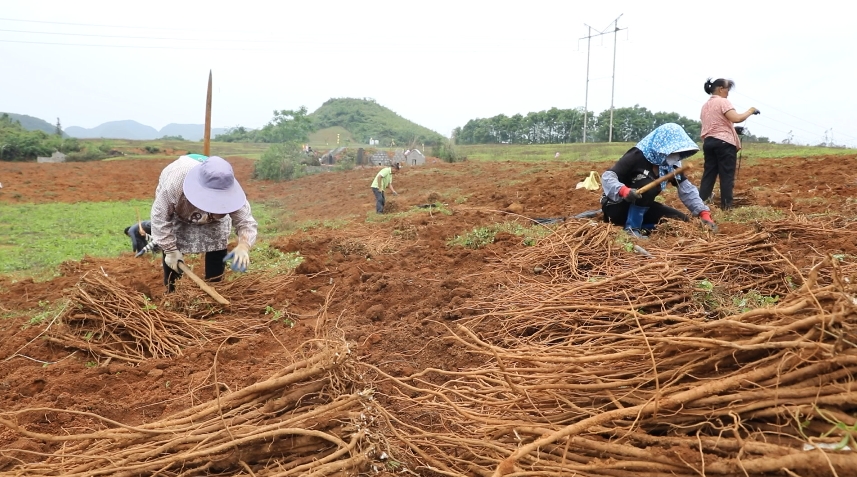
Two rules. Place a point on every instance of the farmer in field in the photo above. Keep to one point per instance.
(197, 202)
(383, 179)
(656, 155)
(720, 142)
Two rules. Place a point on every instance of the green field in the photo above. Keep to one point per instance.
(54, 233)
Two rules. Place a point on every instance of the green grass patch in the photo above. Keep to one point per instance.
(751, 154)
(264, 258)
(751, 214)
(38, 237)
(438, 208)
(483, 236)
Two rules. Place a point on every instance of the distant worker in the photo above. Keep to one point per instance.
(197, 202)
(656, 155)
(720, 140)
(556, 156)
(383, 179)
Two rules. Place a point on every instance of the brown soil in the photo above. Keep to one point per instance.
(391, 286)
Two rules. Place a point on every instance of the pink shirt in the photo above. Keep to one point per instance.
(714, 122)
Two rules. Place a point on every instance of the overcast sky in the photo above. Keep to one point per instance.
(438, 63)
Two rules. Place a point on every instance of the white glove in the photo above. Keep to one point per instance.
(172, 259)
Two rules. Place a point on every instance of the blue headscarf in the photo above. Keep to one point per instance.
(667, 139)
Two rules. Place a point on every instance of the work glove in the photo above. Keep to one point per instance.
(629, 194)
(705, 216)
(240, 256)
(172, 259)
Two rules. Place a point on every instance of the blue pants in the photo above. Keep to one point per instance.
(379, 200)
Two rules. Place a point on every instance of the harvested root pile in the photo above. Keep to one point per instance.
(306, 420)
(112, 321)
(625, 374)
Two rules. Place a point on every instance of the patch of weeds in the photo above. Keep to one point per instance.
(718, 302)
(817, 200)
(624, 241)
(438, 208)
(149, 305)
(279, 316)
(91, 364)
(750, 214)
(461, 200)
(45, 310)
(839, 428)
(482, 236)
(752, 300)
(476, 238)
(267, 258)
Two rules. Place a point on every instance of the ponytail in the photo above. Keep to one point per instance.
(719, 82)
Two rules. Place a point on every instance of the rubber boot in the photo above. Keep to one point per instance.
(634, 222)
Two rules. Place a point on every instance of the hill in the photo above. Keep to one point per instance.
(191, 132)
(129, 129)
(365, 119)
(33, 124)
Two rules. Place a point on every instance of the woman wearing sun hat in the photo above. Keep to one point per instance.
(197, 202)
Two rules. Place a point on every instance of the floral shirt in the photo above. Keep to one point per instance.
(714, 122)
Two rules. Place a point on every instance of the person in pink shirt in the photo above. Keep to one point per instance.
(720, 142)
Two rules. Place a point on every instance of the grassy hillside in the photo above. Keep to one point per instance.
(364, 119)
(33, 124)
(327, 137)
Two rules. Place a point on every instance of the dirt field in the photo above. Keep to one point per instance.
(393, 290)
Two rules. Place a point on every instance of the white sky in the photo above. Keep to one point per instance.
(438, 63)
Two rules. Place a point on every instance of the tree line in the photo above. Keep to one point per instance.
(560, 126)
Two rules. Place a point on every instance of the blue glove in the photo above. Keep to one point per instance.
(240, 257)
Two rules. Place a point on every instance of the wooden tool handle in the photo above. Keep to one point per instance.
(658, 181)
(204, 286)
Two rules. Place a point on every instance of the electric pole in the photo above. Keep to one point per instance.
(586, 101)
(588, 38)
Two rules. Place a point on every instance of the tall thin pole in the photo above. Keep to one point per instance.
(613, 87)
(586, 101)
(206, 141)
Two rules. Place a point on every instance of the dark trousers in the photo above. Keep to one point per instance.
(618, 213)
(379, 200)
(214, 268)
(721, 159)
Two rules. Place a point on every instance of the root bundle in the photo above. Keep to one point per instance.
(305, 420)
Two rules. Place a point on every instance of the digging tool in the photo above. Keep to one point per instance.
(662, 179)
(202, 285)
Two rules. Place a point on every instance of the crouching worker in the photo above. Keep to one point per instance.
(140, 234)
(656, 155)
(197, 202)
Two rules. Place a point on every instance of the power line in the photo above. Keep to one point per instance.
(135, 37)
(99, 25)
(589, 38)
(787, 114)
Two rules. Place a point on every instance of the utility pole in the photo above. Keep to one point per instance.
(586, 101)
(588, 38)
(613, 87)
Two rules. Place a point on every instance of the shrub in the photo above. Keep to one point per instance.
(445, 151)
(87, 154)
(281, 162)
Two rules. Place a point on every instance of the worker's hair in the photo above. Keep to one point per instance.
(710, 86)
(397, 166)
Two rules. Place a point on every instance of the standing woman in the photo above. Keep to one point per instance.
(720, 140)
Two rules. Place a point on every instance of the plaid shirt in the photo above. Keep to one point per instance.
(171, 205)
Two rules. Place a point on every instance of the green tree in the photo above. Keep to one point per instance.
(59, 128)
(281, 162)
(288, 126)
